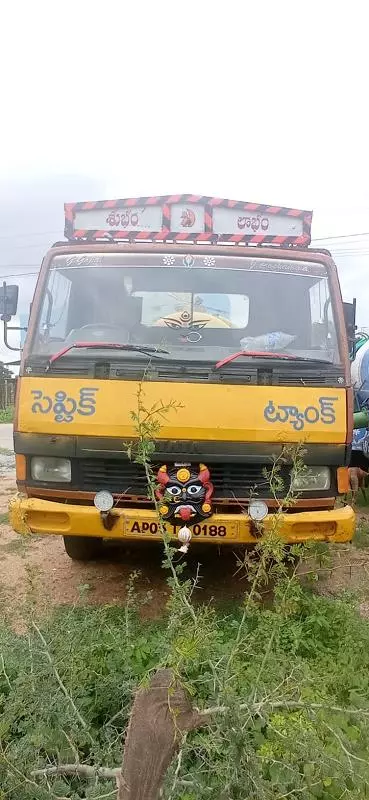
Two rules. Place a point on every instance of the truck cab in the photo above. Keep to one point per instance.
(218, 312)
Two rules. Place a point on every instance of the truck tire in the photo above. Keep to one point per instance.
(83, 548)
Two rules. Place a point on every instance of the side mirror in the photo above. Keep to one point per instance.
(8, 301)
(8, 308)
(349, 310)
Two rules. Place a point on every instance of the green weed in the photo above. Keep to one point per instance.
(283, 691)
(6, 415)
(361, 537)
(18, 545)
(320, 655)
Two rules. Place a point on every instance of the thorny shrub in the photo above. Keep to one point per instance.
(267, 749)
(287, 686)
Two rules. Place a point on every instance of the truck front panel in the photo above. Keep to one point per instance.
(243, 351)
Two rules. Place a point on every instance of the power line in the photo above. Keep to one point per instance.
(343, 236)
(40, 244)
(362, 252)
(25, 235)
(18, 274)
(18, 266)
(57, 233)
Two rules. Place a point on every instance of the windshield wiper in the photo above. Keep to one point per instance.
(133, 348)
(251, 354)
(263, 354)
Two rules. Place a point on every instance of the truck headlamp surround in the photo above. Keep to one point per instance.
(51, 470)
(312, 479)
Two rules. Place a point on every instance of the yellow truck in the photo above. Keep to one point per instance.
(217, 305)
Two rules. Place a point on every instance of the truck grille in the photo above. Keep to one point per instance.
(231, 481)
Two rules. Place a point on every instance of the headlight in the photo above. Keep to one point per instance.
(53, 470)
(103, 501)
(312, 479)
(257, 510)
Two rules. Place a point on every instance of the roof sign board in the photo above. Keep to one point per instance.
(190, 218)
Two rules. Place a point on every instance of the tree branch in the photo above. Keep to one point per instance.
(287, 705)
(82, 770)
(60, 682)
(3, 670)
(189, 720)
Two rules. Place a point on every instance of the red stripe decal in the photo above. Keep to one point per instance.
(68, 212)
(181, 237)
(208, 234)
(208, 221)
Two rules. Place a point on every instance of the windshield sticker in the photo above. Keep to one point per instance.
(63, 407)
(82, 261)
(209, 261)
(188, 261)
(218, 261)
(326, 413)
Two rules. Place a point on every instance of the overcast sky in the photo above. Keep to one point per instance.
(259, 101)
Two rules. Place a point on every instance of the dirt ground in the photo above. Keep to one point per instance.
(37, 569)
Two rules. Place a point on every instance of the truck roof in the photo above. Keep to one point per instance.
(72, 244)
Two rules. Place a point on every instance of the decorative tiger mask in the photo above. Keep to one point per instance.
(184, 494)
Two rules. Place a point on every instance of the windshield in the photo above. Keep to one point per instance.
(197, 307)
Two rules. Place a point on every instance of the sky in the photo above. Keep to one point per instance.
(263, 102)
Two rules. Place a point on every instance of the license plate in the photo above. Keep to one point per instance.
(203, 530)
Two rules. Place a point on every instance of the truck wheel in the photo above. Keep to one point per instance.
(83, 548)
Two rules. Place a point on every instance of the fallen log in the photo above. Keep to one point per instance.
(161, 715)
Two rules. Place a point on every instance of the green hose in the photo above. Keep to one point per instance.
(361, 419)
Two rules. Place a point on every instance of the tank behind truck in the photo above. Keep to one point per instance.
(218, 305)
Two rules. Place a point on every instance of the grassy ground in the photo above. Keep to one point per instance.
(68, 676)
(361, 538)
(6, 414)
(66, 689)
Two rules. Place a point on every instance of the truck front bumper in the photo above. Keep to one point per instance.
(33, 515)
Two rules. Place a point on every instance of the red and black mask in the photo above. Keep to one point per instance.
(184, 494)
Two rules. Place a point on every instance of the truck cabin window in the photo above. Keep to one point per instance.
(201, 312)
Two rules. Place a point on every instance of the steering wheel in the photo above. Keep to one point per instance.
(99, 327)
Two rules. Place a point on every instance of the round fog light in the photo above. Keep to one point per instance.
(103, 501)
(257, 510)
